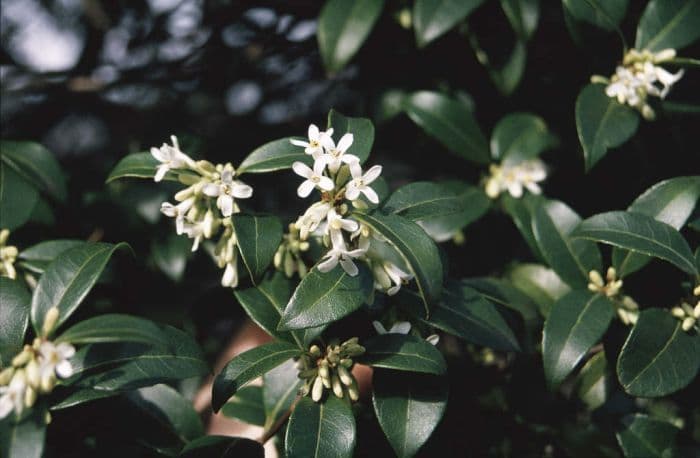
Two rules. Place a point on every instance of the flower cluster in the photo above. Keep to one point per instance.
(205, 208)
(8, 255)
(340, 179)
(331, 370)
(288, 256)
(626, 307)
(639, 77)
(689, 315)
(514, 177)
(35, 370)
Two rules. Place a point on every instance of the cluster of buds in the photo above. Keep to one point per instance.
(689, 315)
(8, 255)
(205, 208)
(611, 286)
(331, 370)
(288, 257)
(515, 177)
(35, 370)
(339, 178)
(639, 77)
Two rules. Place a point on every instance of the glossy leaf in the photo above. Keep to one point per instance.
(595, 382)
(248, 366)
(14, 317)
(520, 136)
(80, 396)
(602, 123)
(280, 388)
(258, 238)
(450, 122)
(572, 259)
(68, 279)
(415, 247)
(658, 357)
(523, 16)
(647, 437)
(540, 284)
(37, 257)
(432, 19)
(318, 430)
(576, 322)
(322, 298)
(137, 165)
(17, 197)
(408, 407)
(37, 165)
(222, 447)
(362, 130)
(423, 200)
(246, 405)
(171, 254)
(25, 438)
(272, 156)
(639, 233)
(404, 353)
(113, 327)
(522, 211)
(606, 14)
(668, 24)
(343, 26)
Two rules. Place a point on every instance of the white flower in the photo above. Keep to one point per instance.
(313, 177)
(8, 255)
(402, 327)
(513, 177)
(194, 231)
(178, 212)
(12, 396)
(312, 218)
(226, 189)
(339, 253)
(317, 141)
(230, 277)
(54, 360)
(359, 183)
(170, 158)
(338, 223)
(336, 155)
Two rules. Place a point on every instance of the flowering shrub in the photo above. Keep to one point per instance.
(369, 327)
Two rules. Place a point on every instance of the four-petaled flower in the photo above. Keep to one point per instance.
(170, 158)
(54, 360)
(336, 154)
(226, 189)
(359, 183)
(317, 141)
(313, 177)
(339, 253)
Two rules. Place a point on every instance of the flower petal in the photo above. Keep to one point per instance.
(314, 133)
(370, 194)
(241, 190)
(352, 193)
(305, 188)
(349, 267)
(345, 142)
(329, 264)
(372, 174)
(326, 184)
(225, 204)
(211, 189)
(296, 142)
(302, 169)
(160, 172)
(64, 369)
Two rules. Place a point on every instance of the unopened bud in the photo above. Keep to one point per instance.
(611, 274)
(317, 390)
(696, 310)
(678, 312)
(344, 375)
(289, 265)
(279, 256)
(29, 396)
(184, 194)
(337, 386)
(696, 291)
(347, 362)
(688, 323)
(23, 358)
(47, 383)
(595, 278)
(353, 391)
(50, 321)
(301, 267)
(188, 178)
(47, 418)
(32, 373)
(315, 351)
(6, 375)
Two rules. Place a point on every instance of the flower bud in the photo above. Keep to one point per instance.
(353, 391)
(317, 390)
(29, 396)
(344, 375)
(188, 178)
(696, 310)
(595, 279)
(289, 265)
(678, 312)
(23, 358)
(611, 274)
(47, 383)
(346, 362)
(323, 371)
(279, 256)
(696, 291)
(50, 321)
(6, 375)
(32, 373)
(688, 323)
(301, 267)
(315, 351)
(184, 194)
(337, 387)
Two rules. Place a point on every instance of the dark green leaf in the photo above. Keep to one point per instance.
(415, 247)
(450, 122)
(362, 130)
(170, 254)
(668, 24)
(14, 317)
(643, 436)
(258, 238)
(23, 439)
(606, 14)
(408, 407)
(423, 200)
(222, 447)
(319, 430)
(520, 136)
(112, 327)
(246, 405)
(280, 388)
(658, 357)
(276, 155)
(137, 165)
(68, 279)
(433, 18)
(37, 257)
(602, 123)
(595, 382)
(541, 284)
(523, 16)
(36, 164)
(639, 233)
(572, 259)
(322, 298)
(248, 366)
(404, 353)
(80, 396)
(522, 211)
(575, 323)
(17, 197)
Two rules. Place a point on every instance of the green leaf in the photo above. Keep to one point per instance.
(112, 327)
(223, 447)
(595, 382)
(522, 211)
(520, 136)
(246, 405)
(36, 164)
(170, 409)
(668, 24)
(606, 14)
(647, 437)
(280, 388)
(14, 316)
(523, 16)
(423, 200)
(170, 254)
(572, 259)
(602, 123)
(433, 18)
(247, 366)
(658, 357)
(415, 247)
(276, 155)
(408, 407)
(318, 430)
(68, 279)
(465, 313)
(80, 396)
(137, 165)
(450, 122)
(17, 197)
(540, 284)
(322, 298)
(669, 201)
(37, 257)
(639, 233)
(343, 26)
(258, 239)
(403, 353)
(575, 323)
(362, 130)
(25, 438)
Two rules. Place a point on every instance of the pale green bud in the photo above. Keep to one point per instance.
(323, 370)
(188, 178)
(30, 396)
(596, 279)
(32, 372)
(678, 312)
(23, 358)
(353, 391)
(611, 274)
(696, 291)
(347, 362)
(289, 265)
(279, 256)
(696, 310)
(344, 375)
(6, 375)
(688, 323)
(301, 267)
(47, 383)
(337, 386)
(317, 390)
(184, 194)
(315, 351)
(4, 235)
(50, 321)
